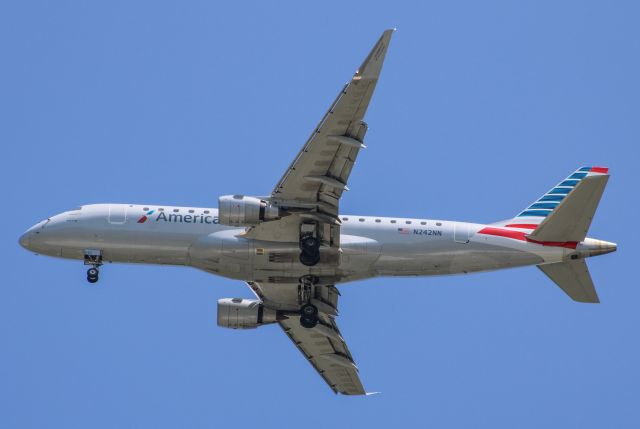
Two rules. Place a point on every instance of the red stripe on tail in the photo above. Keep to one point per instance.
(522, 236)
(522, 225)
(604, 170)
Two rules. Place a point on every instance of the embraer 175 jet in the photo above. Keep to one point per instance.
(293, 247)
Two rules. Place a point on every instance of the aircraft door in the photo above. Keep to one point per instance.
(461, 232)
(117, 214)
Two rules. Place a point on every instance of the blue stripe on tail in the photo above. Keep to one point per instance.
(549, 201)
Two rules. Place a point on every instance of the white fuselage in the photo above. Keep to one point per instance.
(370, 246)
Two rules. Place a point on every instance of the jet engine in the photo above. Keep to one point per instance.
(240, 210)
(238, 313)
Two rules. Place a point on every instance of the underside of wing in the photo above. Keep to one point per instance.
(320, 171)
(311, 188)
(325, 349)
(322, 345)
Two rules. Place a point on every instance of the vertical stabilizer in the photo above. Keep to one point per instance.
(571, 219)
(545, 206)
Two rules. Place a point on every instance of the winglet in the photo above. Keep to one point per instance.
(372, 65)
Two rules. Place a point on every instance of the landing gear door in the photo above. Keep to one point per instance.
(461, 232)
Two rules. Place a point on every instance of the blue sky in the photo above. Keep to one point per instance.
(482, 107)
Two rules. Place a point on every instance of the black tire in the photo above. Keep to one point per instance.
(92, 279)
(309, 259)
(308, 323)
(92, 272)
(309, 244)
(309, 311)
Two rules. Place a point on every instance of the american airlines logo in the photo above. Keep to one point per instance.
(179, 218)
(144, 217)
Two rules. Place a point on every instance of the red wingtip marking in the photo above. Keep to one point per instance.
(604, 170)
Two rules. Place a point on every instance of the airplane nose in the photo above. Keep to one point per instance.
(25, 240)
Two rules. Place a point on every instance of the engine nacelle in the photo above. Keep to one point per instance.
(239, 210)
(238, 313)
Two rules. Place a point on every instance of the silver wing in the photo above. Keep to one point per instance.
(320, 171)
(309, 192)
(323, 346)
(314, 182)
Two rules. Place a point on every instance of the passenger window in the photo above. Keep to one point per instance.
(423, 223)
(146, 209)
(345, 219)
(191, 211)
(176, 210)
(393, 221)
(160, 209)
(206, 212)
(361, 219)
(377, 220)
(438, 223)
(408, 222)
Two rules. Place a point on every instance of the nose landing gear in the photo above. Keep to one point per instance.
(93, 258)
(92, 275)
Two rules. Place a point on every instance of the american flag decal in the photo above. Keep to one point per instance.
(404, 230)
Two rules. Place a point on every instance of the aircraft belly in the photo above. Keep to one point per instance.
(223, 252)
(143, 247)
(448, 257)
(121, 243)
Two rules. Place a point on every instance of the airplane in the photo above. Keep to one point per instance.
(293, 247)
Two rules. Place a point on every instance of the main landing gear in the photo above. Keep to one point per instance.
(309, 245)
(309, 316)
(308, 311)
(93, 258)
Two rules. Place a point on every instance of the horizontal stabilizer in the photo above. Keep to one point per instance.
(573, 277)
(570, 221)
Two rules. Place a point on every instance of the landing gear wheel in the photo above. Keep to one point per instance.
(93, 258)
(309, 259)
(308, 323)
(92, 275)
(309, 244)
(309, 311)
(309, 316)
